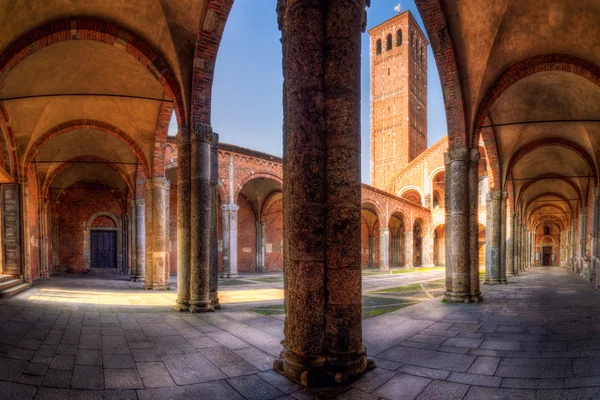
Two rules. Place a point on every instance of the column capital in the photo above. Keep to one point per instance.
(157, 183)
(139, 202)
(457, 154)
(597, 191)
(474, 155)
(214, 142)
(202, 132)
(230, 207)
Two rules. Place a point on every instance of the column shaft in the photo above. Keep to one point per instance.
(492, 233)
(200, 220)
(214, 239)
(473, 229)
(148, 215)
(510, 243)
(371, 251)
(160, 229)
(183, 219)
(384, 248)
(229, 212)
(322, 194)
(140, 241)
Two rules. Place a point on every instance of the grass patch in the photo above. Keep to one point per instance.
(269, 310)
(375, 311)
(233, 282)
(414, 287)
(268, 280)
(407, 270)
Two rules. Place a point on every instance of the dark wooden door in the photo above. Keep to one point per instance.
(104, 249)
(547, 255)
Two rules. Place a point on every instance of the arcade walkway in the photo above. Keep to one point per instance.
(537, 337)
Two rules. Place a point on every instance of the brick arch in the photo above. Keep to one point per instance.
(531, 66)
(560, 196)
(550, 218)
(67, 164)
(110, 215)
(85, 124)
(255, 175)
(540, 177)
(490, 146)
(557, 142)
(409, 188)
(207, 45)
(378, 211)
(434, 19)
(7, 131)
(398, 210)
(530, 223)
(102, 32)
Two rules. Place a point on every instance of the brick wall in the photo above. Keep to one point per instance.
(246, 236)
(75, 208)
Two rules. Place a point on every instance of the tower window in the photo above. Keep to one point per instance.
(378, 47)
(399, 37)
(546, 230)
(388, 46)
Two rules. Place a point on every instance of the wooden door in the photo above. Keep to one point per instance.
(547, 255)
(104, 249)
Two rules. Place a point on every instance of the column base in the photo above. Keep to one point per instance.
(214, 301)
(322, 369)
(181, 306)
(201, 307)
(138, 278)
(147, 286)
(451, 297)
(227, 275)
(161, 287)
(493, 281)
(476, 298)
(385, 268)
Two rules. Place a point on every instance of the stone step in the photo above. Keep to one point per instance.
(14, 290)
(104, 271)
(4, 278)
(6, 284)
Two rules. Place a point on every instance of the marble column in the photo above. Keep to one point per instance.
(459, 242)
(371, 250)
(148, 215)
(473, 228)
(200, 220)
(511, 269)
(492, 233)
(230, 250)
(214, 238)
(321, 43)
(160, 234)
(409, 250)
(384, 248)
(183, 219)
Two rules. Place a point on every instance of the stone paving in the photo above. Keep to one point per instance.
(537, 337)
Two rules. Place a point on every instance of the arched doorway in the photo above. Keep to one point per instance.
(370, 235)
(417, 243)
(396, 227)
(439, 246)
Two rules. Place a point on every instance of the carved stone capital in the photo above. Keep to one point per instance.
(202, 132)
(183, 136)
(474, 155)
(160, 183)
(458, 154)
(140, 202)
(214, 143)
(230, 207)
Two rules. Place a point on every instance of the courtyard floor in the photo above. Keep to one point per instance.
(97, 337)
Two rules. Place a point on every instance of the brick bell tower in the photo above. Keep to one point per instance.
(398, 96)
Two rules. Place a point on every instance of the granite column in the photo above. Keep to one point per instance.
(183, 219)
(492, 233)
(384, 248)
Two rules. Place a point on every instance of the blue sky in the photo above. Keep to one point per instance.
(247, 91)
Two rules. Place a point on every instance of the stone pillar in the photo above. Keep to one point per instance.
(260, 246)
(229, 213)
(473, 228)
(582, 242)
(492, 233)
(183, 219)
(409, 248)
(160, 234)
(459, 243)
(140, 242)
(511, 269)
(214, 238)
(503, 266)
(148, 215)
(200, 221)
(384, 248)
(595, 234)
(371, 250)
(448, 223)
(44, 233)
(321, 43)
